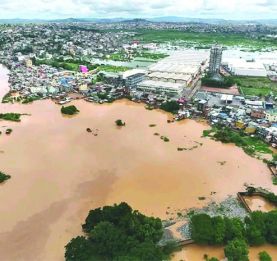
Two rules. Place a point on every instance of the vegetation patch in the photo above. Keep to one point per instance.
(69, 110)
(112, 68)
(7, 98)
(4, 177)
(264, 256)
(70, 64)
(119, 233)
(170, 106)
(255, 86)
(256, 229)
(151, 56)
(251, 145)
(152, 125)
(204, 40)
(226, 82)
(9, 131)
(164, 138)
(261, 92)
(120, 123)
(11, 116)
(30, 99)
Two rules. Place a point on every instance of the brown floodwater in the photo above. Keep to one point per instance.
(60, 171)
(258, 203)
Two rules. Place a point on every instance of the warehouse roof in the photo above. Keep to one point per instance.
(157, 84)
(174, 76)
(132, 72)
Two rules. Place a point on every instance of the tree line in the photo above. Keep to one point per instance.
(256, 229)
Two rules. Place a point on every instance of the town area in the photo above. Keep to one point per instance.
(75, 61)
(226, 85)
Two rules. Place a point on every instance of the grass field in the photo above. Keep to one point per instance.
(151, 56)
(111, 68)
(258, 86)
(201, 40)
(257, 91)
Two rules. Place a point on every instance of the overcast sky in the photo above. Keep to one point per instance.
(228, 9)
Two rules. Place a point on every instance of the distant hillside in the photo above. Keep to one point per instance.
(164, 19)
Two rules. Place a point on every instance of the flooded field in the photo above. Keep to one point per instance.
(60, 171)
(258, 203)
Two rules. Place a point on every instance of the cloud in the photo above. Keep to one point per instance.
(230, 9)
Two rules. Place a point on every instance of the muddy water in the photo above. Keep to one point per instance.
(59, 171)
(258, 203)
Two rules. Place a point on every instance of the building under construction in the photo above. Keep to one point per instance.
(215, 61)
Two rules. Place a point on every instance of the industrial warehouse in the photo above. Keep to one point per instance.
(170, 76)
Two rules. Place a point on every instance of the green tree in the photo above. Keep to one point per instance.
(218, 230)
(119, 123)
(202, 229)
(120, 233)
(171, 106)
(147, 251)
(234, 229)
(236, 250)
(79, 249)
(271, 227)
(264, 256)
(70, 110)
(255, 228)
(4, 177)
(108, 240)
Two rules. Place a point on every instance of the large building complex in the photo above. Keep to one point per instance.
(174, 74)
(243, 67)
(215, 60)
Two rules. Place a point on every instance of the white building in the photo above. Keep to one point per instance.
(271, 116)
(184, 79)
(242, 67)
(160, 87)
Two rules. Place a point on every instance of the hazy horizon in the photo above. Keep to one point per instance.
(202, 9)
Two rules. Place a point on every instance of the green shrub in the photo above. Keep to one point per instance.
(171, 106)
(69, 110)
(264, 256)
(11, 116)
(236, 250)
(4, 177)
(120, 123)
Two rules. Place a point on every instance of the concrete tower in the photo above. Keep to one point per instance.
(215, 60)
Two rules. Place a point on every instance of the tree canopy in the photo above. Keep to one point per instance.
(257, 229)
(236, 250)
(170, 106)
(118, 233)
(70, 110)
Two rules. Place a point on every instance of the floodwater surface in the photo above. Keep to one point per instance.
(60, 171)
(256, 203)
